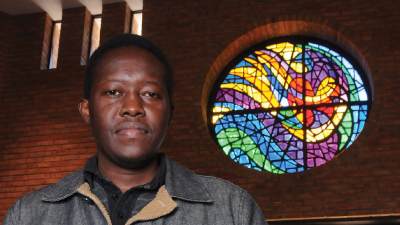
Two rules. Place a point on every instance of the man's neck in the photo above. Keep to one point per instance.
(126, 179)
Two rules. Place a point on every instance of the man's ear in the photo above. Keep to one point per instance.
(84, 110)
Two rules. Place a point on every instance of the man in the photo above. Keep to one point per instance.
(127, 103)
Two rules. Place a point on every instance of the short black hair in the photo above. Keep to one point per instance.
(126, 40)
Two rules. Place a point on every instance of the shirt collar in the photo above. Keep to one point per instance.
(92, 172)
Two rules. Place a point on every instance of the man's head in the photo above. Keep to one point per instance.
(127, 100)
(126, 40)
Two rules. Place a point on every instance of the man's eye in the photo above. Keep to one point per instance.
(151, 94)
(112, 93)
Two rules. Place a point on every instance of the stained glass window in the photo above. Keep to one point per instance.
(289, 105)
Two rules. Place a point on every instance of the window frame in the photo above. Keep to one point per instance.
(50, 49)
(131, 21)
(93, 17)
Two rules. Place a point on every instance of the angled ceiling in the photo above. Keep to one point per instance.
(54, 7)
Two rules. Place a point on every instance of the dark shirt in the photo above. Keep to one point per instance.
(122, 206)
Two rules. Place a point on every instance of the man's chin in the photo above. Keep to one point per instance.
(135, 163)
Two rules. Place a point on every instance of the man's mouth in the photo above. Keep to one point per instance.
(131, 129)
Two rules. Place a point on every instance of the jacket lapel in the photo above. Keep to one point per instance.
(183, 184)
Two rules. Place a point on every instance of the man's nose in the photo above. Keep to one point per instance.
(132, 106)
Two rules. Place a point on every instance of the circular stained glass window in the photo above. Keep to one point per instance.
(288, 105)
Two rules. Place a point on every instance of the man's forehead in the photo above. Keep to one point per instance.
(128, 54)
(124, 64)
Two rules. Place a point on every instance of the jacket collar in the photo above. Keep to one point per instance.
(180, 183)
(64, 188)
(183, 184)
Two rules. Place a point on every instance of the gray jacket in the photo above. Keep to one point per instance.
(185, 199)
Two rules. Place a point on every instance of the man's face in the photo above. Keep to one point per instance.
(129, 108)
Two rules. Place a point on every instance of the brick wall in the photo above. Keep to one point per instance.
(42, 137)
(4, 41)
(115, 20)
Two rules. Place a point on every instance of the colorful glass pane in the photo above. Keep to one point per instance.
(288, 106)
